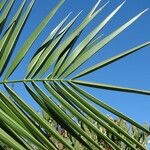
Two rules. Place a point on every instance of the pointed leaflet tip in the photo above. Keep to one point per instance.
(94, 8)
(124, 1)
(70, 22)
(80, 12)
(69, 13)
(122, 4)
(145, 10)
(141, 13)
(98, 2)
(97, 11)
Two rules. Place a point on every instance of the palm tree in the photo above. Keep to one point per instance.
(63, 102)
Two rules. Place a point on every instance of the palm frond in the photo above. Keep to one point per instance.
(58, 96)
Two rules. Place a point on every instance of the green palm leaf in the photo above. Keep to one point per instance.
(47, 42)
(10, 45)
(68, 119)
(100, 45)
(45, 55)
(79, 48)
(30, 41)
(10, 141)
(5, 14)
(36, 116)
(111, 60)
(110, 87)
(107, 107)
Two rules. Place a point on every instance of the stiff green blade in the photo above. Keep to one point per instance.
(18, 129)
(110, 87)
(37, 117)
(10, 141)
(11, 27)
(90, 45)
(56, 115)
(45, 56)
(9, 47)
(69, 121)
(8, 33)
(18, 13)
(107, 107)
(97, 114)
(62, 58)
(15, 136)
(4, 40)
(59, 63)
(78, 115)
(28, 43)
(5, 14)
(111, 60)
(9, 107)
(36, 97)
(33, 129)
(84, 43)
(48, 61)
(10, 112)
(58, 29)
(45, 44)
(99, 46)
(62, 47)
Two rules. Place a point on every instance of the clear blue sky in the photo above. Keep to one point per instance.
(132, 71)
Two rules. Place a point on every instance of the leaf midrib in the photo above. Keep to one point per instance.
(32, 80)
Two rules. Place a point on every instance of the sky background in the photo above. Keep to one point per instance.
(132, 71)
